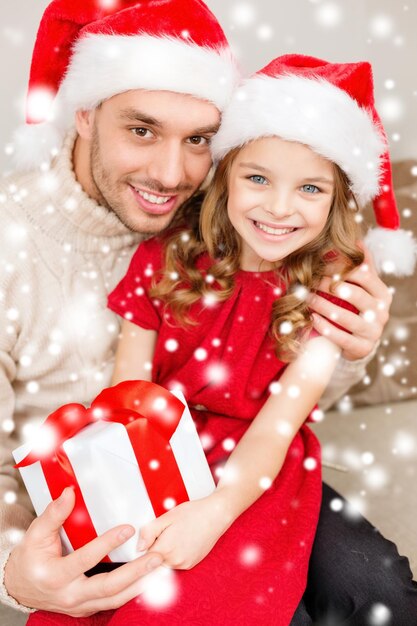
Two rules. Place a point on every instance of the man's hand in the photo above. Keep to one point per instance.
(38, 576)
(365, 290)
(187, 533)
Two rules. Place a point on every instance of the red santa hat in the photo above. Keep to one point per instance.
(89, 50)
(329, 107)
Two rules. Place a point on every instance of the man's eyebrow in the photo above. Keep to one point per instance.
(255, 166)
(206, 130)
(138, 116)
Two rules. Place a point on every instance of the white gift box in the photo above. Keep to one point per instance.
(110, 480)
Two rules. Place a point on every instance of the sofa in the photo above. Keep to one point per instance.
(371, 435)
(369, 439)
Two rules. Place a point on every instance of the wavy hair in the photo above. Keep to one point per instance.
(208, 230)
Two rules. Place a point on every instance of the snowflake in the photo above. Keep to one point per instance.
(284, 428)
(317, 415)
(8, 425)
(354, 508)
(329, 15)
(200, 354)
(250, 555)
(376, 477)
(171, 345)
(9, 497)
(216, 373)
(265, 32)
(369, 316)
(345, 405)
(169, 503)
(404, 443)
(293, 391)
(401, 333)
(108, 4)
(265, 482)
(228, 444)
(159, 404)
(336, 504)
(367, 458)
(32, 386)
(310, 463)
(243, 14)
(381, 26)
(379, 615)
(391, 108)
(388, 370)
(159, 588)
(25, 360)
(285, 328)
(44, 440)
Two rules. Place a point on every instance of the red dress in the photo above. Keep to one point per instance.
(256, 573)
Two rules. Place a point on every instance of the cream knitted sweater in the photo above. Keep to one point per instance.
(60, 255)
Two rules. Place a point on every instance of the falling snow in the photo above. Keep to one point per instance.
(378, 36)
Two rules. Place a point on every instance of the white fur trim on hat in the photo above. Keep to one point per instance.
(310, 111)
(105, 65)
(394, 251)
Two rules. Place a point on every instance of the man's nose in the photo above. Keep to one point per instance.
(167, 165)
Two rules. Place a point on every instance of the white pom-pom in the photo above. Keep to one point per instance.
(34, 144)
(394, 251)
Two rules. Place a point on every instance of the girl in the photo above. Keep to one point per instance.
(219, 309)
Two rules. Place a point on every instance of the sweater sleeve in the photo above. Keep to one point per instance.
(15, 514)
(130, 299)
(346, 373)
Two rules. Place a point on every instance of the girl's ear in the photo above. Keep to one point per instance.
(84, 123)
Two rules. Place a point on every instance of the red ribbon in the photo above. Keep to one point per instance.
(150, 415)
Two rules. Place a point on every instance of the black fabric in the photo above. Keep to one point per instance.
(356, 576)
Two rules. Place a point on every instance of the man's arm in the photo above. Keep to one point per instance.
(359, 341)
(33, 572)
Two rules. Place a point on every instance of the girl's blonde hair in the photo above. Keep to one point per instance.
(181, 284)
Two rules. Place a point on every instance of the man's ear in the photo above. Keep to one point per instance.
(84, 123)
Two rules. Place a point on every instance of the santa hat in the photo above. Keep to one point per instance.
(329, 107)
(89, 50)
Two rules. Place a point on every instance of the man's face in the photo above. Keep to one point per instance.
(148, 152)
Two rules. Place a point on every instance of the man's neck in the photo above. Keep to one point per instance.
(81, 165)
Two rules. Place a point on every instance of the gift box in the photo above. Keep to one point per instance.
(133, 455)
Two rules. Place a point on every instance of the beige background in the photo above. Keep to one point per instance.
(381, 31)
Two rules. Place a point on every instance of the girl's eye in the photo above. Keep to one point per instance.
(310, 189)
(258, 179)
(140, 132)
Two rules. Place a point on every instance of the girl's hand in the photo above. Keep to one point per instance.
(187, 533)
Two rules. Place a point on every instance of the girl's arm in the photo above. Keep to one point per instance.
(260, 454)
(134, 353)
(256, 460)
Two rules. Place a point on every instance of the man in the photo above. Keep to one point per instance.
(144, 107)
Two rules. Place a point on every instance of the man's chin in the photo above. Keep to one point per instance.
(147, 224)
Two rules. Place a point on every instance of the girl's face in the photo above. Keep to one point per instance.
(279, 197)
